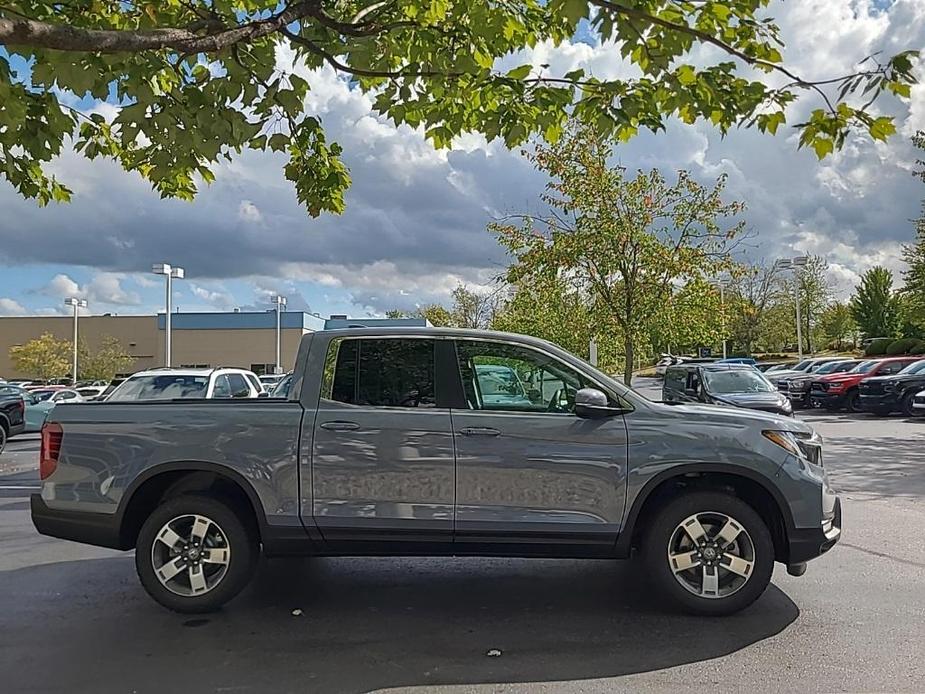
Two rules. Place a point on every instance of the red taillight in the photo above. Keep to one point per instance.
(52, 434)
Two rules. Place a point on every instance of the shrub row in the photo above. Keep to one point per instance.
(887, 346)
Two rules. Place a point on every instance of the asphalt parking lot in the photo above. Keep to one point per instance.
(75, 619)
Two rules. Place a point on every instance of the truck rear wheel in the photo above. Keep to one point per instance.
(710, 552)
(194, 554)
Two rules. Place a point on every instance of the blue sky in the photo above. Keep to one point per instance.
(416, 218)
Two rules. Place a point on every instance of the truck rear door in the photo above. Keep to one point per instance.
(382, 451)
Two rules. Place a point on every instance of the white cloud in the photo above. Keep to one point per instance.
(219, 299)
(248, 212)
(103, 288)
(11, 307)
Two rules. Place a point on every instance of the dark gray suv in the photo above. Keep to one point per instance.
(439, 442)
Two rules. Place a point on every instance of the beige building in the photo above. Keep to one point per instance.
(243, 339)
(239, 339)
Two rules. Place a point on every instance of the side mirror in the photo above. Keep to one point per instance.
(590, 403)
(264, 394)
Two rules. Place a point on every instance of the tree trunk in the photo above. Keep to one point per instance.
(628, 367)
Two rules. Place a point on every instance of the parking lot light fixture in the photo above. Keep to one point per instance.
(721, 284)
(77, 304)
(279, 302)
(795, 264)
(170, 272)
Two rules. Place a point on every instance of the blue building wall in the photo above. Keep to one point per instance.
(266, 320)
(245, 320)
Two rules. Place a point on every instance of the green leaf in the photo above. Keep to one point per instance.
(519, 73)
(882, 128)
(686, 75)
(823, 146)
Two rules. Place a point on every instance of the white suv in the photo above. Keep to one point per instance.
(170, 384)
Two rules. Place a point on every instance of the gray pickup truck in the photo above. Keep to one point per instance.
(388, 445)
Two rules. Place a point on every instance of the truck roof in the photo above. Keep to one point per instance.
(461, 333)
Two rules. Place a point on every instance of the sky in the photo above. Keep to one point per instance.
(415, 224)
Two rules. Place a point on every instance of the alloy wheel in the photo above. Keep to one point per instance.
(190, 555)
(711, 554)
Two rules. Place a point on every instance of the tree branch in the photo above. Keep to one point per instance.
(36, 34)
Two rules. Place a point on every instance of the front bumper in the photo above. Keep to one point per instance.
(809, 543)
(799, 398)
(881, 401)
(831, 401)
(100, 529)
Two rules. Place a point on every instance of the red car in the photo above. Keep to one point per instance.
(837, 391)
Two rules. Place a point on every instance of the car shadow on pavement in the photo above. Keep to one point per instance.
(354, 625)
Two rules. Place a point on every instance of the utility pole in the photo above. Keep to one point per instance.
(280, 302)
(170, 272)
(77, 304)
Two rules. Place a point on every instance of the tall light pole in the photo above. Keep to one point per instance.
(279, 302)
(795, 264)
(77, 304)
(171, 272)
(721, 284)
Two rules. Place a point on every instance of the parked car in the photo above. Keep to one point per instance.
(92, 392)
(37, 408)
(807, 366)
(798, 388)
(772, 366)
(269, 381)
(386, 446)
(738, 385)
(890, 393)
(749, 361)
(918, 402)
(170, 384)
(113, 384)
(840, 391)
(12, 414)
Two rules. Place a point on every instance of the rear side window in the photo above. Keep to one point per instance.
(892, 367)
(238, 386)
(384, 373)
(161, 387)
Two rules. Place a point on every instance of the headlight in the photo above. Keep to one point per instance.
(785, 440)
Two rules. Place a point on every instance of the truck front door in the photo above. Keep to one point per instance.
(527, 468)
(382, 454)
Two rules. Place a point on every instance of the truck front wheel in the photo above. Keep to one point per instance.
(194, 554)
(710, 552)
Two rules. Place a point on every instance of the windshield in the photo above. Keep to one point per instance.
(42, 395)
(864, 367)
(281, 389)
(803, 365)
(499, 380)
(161, 387)
(835, 367)
(736, 381)
(914, 368)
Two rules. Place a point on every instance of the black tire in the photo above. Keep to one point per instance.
(854, 401)
(905, 405)
(238, 537)
(662, 528)
(3, 437)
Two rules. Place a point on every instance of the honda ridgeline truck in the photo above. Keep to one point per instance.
(405, 442)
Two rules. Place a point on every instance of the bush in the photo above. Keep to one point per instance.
(878, 347)
(903, 346)
(920, 349)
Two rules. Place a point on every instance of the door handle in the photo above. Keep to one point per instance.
(480, 431)
(340, 426)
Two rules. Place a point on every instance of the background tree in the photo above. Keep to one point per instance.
(199, 81)
(874, 307)
(914, 255)
(470, 309)
(751, 294)
(109, 360)
(815, 291)
(625, 243)
(691, 318)
(838, 325)
(46, 357)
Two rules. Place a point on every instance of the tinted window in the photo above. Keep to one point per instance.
(675, 379)
(252, 379)
(891, 367)
(864, 367)
(834, 367)
(385, 373)
(222, 388)
(504, 377)
(161, 387)
(914, 368)
(736, 381)
(238, 386)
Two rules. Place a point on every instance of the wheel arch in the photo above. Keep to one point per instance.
(174, 478)
(745, 483)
